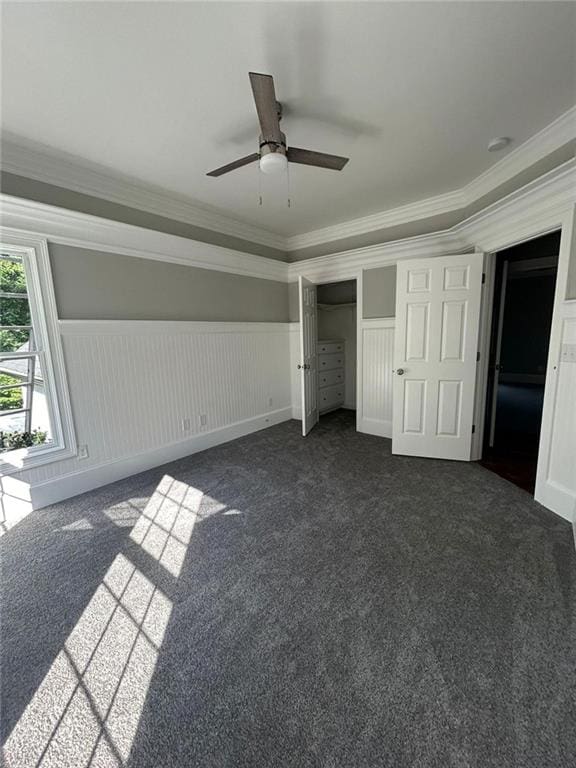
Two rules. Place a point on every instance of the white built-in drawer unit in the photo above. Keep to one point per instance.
(330, 347)
(330, 374)
(329, 378)
(330, 362)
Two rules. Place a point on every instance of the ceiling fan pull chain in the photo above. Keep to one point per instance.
(259, 186)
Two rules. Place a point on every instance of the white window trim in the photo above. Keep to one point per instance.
(34, 252)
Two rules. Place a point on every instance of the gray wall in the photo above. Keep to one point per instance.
(293, 303)
(18, 186)
(379, 292)
(378, 298)
(93, 285)
(343, 292)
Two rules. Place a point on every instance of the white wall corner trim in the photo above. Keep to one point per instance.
(556, 472)
(59, 225)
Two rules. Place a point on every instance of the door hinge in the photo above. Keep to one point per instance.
(477, 356)
(483, 277)
(473, 428)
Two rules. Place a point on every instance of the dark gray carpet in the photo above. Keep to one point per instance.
(336, 606)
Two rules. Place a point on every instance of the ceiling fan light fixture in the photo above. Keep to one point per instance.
(273, 163)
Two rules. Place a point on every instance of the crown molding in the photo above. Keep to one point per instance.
(423, 209)
(60, 225)
(62, 170)
(555, 135)
(536, 208)
(65, 171)
(539, 205)
(347, 264)
(552, 137)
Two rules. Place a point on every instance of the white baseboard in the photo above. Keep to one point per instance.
(75, 483)
(557, 498)
(375, 427)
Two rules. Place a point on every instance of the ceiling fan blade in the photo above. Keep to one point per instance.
(265, 98)
(318, 159)
(236, 164)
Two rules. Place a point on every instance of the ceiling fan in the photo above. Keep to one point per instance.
(274, 155)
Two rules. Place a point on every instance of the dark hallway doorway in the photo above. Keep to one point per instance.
(525, 282)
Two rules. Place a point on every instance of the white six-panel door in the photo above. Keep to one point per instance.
(308, 359)
(435, 349)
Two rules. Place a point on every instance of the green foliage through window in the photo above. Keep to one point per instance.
(13, 311)
(11, 441)
(10, 399)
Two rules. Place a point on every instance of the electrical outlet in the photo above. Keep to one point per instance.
(185, 424)
(203, 419)
(568, 353)
(83, 452)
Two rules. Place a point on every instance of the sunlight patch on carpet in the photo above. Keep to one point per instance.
(87, 709)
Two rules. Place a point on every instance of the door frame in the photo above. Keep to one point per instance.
(565, 224)
(320, 279)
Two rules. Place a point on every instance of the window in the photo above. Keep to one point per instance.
(35, 420)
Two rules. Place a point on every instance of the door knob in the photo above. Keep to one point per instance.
(400, 371)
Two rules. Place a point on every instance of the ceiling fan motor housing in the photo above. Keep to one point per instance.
(266, 147)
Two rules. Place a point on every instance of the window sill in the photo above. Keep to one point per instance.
(23, 459)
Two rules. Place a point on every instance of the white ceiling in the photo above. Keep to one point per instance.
(411, 92)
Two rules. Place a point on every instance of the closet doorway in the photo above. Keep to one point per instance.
(336, 347)
(525, 282)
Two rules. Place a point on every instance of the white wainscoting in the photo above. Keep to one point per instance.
(377, 356)
(556, 483)
(295, 374)
(133, 383)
